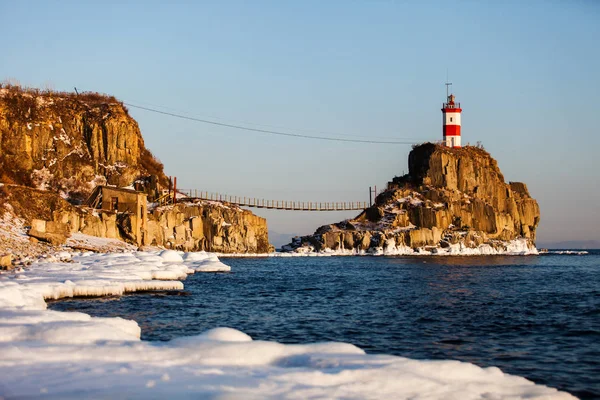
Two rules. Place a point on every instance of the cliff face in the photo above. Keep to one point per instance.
(59, 146)
(450, 197)
(209, 226)
(70, 143)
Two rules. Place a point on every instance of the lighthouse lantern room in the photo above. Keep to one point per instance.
(451, 120)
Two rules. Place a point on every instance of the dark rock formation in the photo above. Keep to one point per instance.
(449, 197)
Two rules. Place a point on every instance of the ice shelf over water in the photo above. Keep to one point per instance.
(70, 355)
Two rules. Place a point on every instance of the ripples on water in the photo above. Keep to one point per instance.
(537, 317)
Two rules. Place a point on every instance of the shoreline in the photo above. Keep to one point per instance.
(517, 247)
(109, 359)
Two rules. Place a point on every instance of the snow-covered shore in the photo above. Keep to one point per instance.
(516, 247)
(58, 355)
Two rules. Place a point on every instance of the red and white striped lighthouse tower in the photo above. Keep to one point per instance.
(451, 120)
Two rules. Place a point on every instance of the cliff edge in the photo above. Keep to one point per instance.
(452, 201)
(70, 143)
(57, 148)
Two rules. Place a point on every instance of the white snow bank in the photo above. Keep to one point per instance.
(213, 366)
(205, 262)
(171, 256)
(92, 274)
(70, 355)
(82, 241)
(515, 247)
(284, 254)
(51, 327)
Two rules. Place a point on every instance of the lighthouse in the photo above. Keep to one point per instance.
(451, 120)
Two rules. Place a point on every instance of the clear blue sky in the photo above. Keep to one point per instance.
(526, 73)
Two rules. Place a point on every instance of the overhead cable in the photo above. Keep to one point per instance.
(271, 132)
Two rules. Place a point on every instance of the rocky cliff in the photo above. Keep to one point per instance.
(55, 148)
(451, 201)
(210, 226)
(69, 143)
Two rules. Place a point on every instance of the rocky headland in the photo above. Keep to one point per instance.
(452, 201)
(57, 147)
(69, 143)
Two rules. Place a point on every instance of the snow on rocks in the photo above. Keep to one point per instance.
(15, 241)
(55, 327)
(82, 241)
(209, 366)
(73, 355)
(215, 334)
(516, 247)
(205, 262)
(90, 274)
(171, 256)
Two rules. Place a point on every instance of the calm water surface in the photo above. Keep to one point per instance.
(537, 317)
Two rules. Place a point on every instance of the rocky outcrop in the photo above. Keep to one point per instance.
(209, 226)
(56, 148)
(51, 218)
(69, 143)
(450, 198)
(52, 232)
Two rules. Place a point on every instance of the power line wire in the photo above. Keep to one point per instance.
(262, 126)
(280, 133)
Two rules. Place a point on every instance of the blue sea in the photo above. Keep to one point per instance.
(535, 316)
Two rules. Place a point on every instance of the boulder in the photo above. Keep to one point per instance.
(38, 225)
(55, 239)
(6, 262)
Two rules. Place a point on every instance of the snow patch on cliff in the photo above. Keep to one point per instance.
(12, 227)
(82, 241)
(42, 177)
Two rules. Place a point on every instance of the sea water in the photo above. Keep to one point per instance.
(534, 316)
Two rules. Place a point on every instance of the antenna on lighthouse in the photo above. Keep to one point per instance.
(448, 84)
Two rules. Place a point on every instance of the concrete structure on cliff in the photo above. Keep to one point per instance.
(123, 200)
